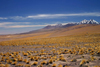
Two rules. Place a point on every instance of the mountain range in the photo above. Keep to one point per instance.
(71, 24)
(49, 28)
(83, 27)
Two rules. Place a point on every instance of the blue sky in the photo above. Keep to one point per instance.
(17, 16)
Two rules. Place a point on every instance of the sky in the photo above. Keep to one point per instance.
(18, 16)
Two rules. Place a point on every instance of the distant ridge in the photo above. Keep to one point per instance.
(52, 27)
(72, 24)
(59, 26)
(62, 30)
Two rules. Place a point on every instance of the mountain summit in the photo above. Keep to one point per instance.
(88, 22)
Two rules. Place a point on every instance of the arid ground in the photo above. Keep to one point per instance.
(76, 46)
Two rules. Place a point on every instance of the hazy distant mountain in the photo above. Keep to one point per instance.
(52, 27)
(69, 24)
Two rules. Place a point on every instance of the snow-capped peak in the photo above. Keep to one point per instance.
(84, 21)
(88, 22)
(93, 22)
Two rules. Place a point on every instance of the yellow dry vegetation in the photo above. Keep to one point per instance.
(73, 44)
